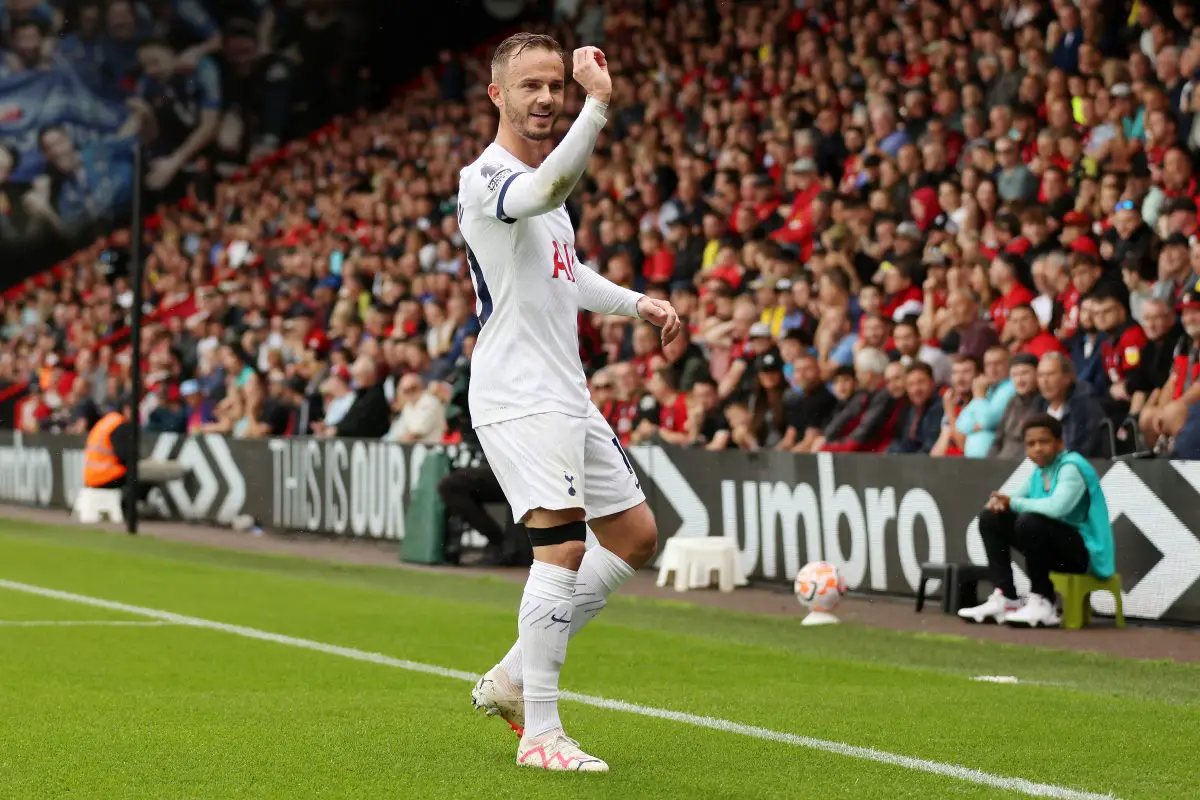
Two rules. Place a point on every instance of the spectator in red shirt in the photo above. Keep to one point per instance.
(903, 297)
(645, 348)
(871, 431)
(659, 262)
(1023, 334)
(1121, 347)
(672, 408)
(1005, 273)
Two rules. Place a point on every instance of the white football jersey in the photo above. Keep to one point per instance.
(526, 360)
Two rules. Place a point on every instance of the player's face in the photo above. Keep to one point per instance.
(532, 97)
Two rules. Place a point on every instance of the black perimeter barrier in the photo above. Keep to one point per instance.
(877, 517)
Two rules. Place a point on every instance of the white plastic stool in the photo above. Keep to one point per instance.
(92, 504)
(694, 559)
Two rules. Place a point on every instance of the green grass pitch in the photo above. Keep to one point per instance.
(149, 708)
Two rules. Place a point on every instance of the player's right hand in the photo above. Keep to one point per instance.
(590, 69)
(661, 314)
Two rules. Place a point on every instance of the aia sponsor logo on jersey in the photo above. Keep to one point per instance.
(10, 113)
(564, 262)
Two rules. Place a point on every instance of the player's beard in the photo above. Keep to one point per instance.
(522, 121)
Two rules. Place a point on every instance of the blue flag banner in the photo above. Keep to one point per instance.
(33, 101)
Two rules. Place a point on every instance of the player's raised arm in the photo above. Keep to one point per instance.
(528, 88)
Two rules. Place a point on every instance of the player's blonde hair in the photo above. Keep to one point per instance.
(516, 44)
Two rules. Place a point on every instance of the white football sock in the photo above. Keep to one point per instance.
(544, 625)
(600, 574)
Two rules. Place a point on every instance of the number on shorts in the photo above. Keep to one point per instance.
(617, 444)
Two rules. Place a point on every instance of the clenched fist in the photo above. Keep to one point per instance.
(590, 69)
(660, 314)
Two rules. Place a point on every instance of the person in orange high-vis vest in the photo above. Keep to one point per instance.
(109, 453)
(103, 467)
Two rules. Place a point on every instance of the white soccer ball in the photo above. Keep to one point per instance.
(820, 586)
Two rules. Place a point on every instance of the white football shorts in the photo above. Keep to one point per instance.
(555, 461)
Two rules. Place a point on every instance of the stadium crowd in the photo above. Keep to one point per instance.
(891, 226)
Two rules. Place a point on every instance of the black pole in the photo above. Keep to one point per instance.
(135, 343)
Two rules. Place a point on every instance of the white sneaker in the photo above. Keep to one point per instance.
(1037, 612)
(556, 751)
(995, 609)
(496, 695)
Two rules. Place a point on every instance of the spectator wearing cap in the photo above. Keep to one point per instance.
(1121, 346)
(1075, 224)
(911, 350)
(198, 409)
(907, 242)
(1009, 441)
(768, 417)
(1023, 334)
(871, 430)
(779, 304)
(1174, 272)
(798, 319)
(740, 376)
(169, 416)
(1129, 236)
(920, 421)
(1071, 402)
(991, 392)
(969, 335)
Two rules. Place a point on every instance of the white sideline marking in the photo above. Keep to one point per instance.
(955, 771)
(115, 623)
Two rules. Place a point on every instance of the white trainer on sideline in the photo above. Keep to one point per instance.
(995, 609)
(1038, 612)
(556, 751)
(496, 695)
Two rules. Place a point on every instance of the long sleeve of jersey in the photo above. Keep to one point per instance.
(598, 293)
(530, 194)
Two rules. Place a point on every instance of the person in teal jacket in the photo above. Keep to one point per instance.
(981, 417)
(1059, 521)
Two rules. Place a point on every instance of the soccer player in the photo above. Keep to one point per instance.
(555, 457)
